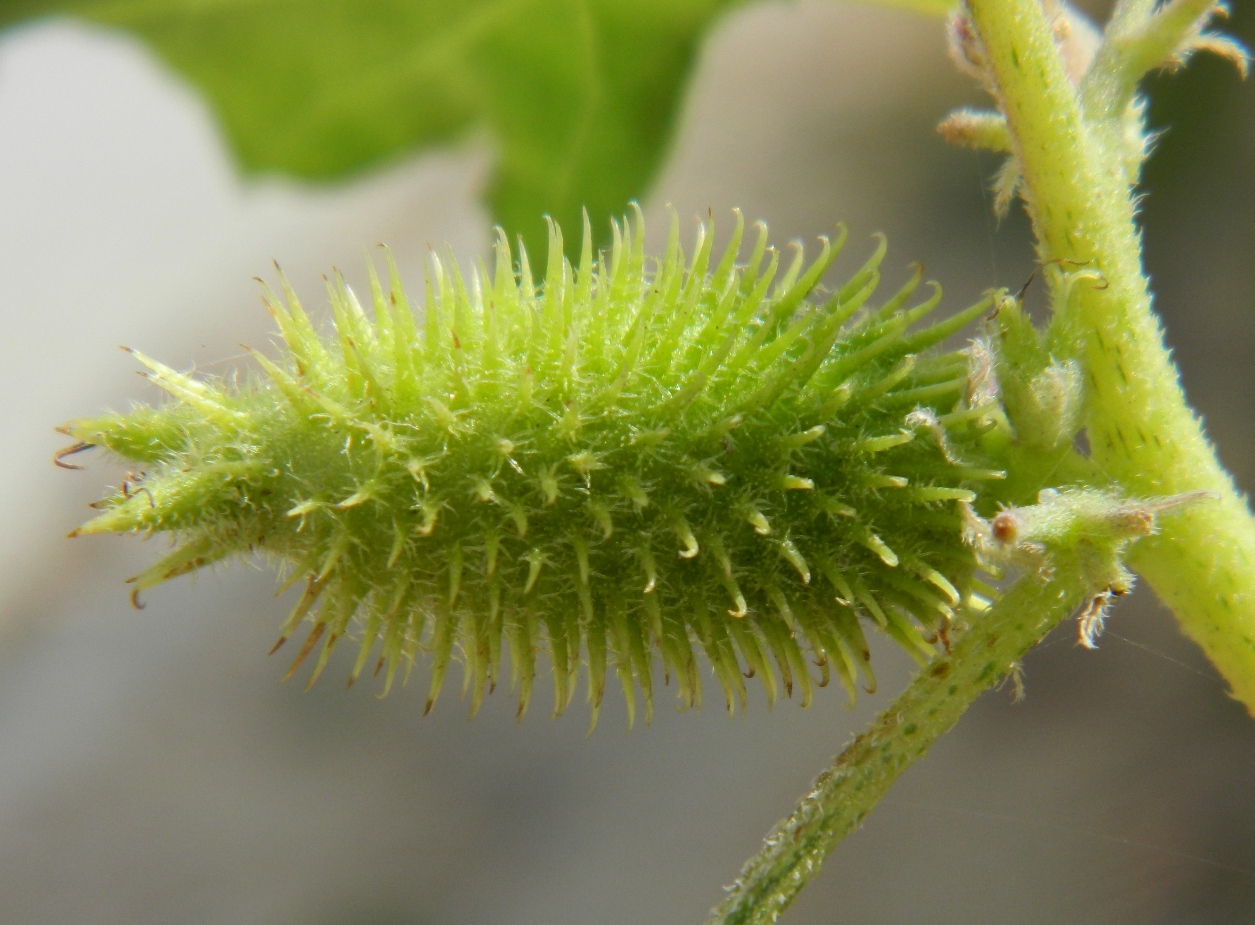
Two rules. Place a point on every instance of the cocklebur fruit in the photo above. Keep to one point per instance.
(632, 458)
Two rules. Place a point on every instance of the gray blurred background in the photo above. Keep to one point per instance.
(153, 769)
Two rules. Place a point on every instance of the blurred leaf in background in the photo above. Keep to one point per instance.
(578, 96)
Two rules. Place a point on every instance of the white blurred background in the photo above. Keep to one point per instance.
(154, 769)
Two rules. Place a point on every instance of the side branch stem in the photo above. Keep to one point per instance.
(1142, 433)
(845, 793)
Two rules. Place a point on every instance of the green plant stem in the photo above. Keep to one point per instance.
(845, 793)
(1142, 433)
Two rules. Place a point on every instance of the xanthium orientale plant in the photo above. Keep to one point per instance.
(632, 456)
(636, 459)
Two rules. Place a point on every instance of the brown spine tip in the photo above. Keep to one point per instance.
(58, 458)
(278, 645)
(314, 635)
(135, 601)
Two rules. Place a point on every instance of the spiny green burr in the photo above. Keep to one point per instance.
(633, 458)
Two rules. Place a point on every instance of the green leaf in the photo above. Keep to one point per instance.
(578, 96)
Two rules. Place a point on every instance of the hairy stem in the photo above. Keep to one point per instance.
(845, 793)
(1142, 433)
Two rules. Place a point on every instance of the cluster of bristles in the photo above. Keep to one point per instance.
(634, 458)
